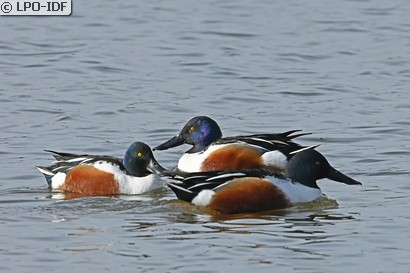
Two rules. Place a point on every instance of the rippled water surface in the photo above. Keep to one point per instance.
(116, 72)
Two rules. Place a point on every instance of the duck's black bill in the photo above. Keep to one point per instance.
(173, 142)
(337, 176)
(156, 168)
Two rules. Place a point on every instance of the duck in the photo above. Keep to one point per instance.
(258, 190)
(212, 152)
(94, 175)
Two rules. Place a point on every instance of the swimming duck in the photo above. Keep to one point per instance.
(138, 172)
(259, 190)
(212, 152)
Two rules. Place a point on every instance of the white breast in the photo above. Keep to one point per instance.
(138, 185)
(296, 192)
(131, 184)
(193, 162)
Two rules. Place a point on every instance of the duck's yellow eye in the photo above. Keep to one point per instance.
(317, 163)
(139, 154)
(193, 128)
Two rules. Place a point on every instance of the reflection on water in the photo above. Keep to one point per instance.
(269, 238)
(61, 195)
(188, 209)
(296, 222)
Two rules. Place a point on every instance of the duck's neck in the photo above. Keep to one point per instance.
(136, 169)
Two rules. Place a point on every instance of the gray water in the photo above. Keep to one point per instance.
(116, 72)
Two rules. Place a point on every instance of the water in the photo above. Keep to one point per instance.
(113, 73)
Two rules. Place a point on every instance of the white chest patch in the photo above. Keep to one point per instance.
(131, 184)
(137, 185)
(193, 162)
(296, 192)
